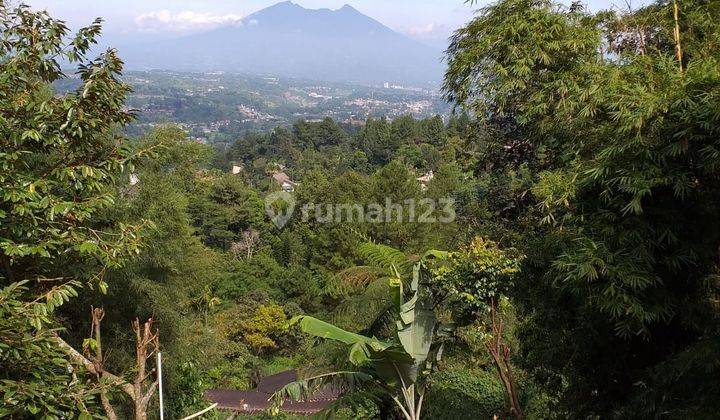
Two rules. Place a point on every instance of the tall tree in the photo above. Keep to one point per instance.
(376, 141)
(624, 274)
(60, 159)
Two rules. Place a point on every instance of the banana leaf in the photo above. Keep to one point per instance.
(415, 321)
(362, 348)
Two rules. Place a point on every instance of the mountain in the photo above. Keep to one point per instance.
(288, 40)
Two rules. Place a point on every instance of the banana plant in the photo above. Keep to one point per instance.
(399, 365)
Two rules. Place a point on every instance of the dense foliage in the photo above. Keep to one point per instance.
(59, 161)
(618, 114)
(582, 168)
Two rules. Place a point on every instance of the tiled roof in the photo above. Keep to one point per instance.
(281, 177)
(258, 400)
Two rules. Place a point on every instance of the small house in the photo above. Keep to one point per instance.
(284, 181)
(425, 180)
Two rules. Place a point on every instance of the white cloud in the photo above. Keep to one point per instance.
(421, 30)
(165, 20)
(429, 31)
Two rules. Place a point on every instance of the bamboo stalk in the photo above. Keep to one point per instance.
(676, 34)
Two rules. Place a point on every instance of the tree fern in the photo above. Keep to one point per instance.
(359, 310)
(385, 257)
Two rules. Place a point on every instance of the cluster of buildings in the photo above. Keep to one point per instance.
(262, 103)
(371, 106)
(425, 180)
(319, 96)
(387, 85)
(251, 114)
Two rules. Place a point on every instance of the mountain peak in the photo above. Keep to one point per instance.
(285, 5)
(289, 40)
(349, 10)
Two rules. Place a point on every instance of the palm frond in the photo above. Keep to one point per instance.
(338, 382)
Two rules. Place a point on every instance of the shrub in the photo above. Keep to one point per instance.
(464, 394)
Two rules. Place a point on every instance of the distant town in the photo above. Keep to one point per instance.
(218, 107)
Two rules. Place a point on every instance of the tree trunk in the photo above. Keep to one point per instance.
(140, 413)
(500, 353)
(147, 343)
(97, 315)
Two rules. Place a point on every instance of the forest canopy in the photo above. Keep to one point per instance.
(578, 277)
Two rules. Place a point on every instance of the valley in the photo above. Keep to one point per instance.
(219, 107)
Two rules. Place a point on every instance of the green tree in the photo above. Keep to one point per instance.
(446, 290)
(61, 158)
(224, 207)
(433, 131)
(320, 134)
(431, 157)
(377, 142)
(623, 118)
(405, 130)
(28, 343)
(391, 187)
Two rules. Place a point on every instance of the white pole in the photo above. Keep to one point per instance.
(160, 392)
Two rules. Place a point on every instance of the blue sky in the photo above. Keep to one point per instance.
(421, 19)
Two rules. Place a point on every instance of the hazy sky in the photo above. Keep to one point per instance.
(421, 19)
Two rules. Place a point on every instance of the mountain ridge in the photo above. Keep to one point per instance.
(289, 40)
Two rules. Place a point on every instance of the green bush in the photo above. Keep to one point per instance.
(464, 394)
(357, 405)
